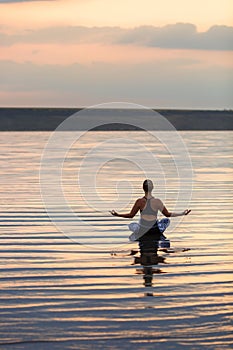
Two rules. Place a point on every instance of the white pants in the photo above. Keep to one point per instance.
(135, 227)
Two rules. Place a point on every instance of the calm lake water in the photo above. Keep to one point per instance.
(84, 291)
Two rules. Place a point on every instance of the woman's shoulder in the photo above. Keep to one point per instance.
(141, 199)
(156, 199)
(158, 203)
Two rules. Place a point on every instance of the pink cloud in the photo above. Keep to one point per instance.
(89, 53)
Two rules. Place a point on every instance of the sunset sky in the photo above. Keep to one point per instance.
(158, 53)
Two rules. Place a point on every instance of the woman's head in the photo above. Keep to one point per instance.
(148, 185)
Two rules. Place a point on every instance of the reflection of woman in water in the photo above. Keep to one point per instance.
(149, 228)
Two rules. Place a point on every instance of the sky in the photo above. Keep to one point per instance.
(156, 53)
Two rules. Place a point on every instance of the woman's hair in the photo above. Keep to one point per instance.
(148, 185)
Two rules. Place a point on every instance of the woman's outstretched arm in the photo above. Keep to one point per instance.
(131, 214)
(169, 214)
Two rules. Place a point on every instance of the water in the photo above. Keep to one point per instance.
(57, 294)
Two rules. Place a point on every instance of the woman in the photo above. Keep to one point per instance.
(149, 227)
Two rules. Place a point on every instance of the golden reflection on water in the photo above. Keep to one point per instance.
(55, 289)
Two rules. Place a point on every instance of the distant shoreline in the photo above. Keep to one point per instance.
(48, 119)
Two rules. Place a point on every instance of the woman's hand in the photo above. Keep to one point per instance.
(186, 212)
(114, 213)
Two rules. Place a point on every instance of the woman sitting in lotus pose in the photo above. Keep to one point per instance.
(149, 228)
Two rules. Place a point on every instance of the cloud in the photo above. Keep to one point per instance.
(181, 36)
(174, 36)
(64, 35)
(163, 83)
